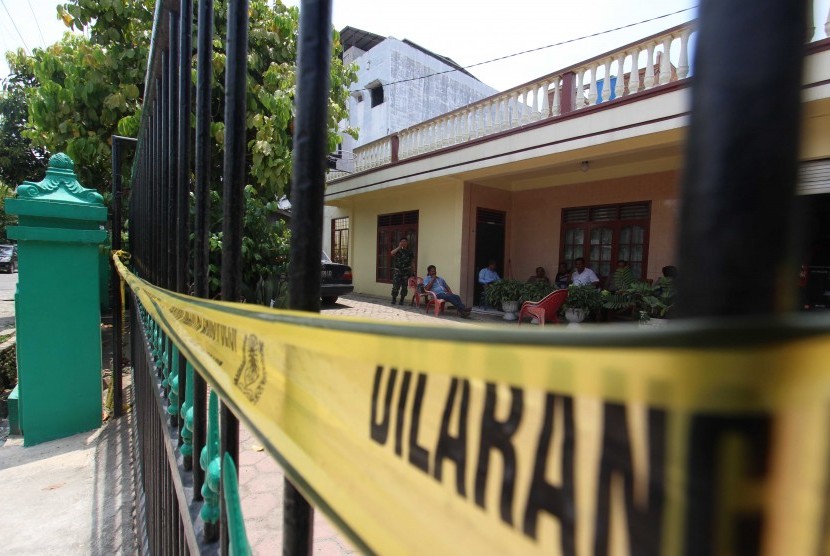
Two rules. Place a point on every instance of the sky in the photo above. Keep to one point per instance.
(468, 31)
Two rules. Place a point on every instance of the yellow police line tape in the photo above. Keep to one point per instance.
(419, 439)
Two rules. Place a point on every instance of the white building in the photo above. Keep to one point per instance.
(399, 84)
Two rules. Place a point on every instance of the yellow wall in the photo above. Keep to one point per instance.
(439, 207)
(815, 141)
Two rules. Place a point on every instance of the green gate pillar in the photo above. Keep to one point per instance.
(58, 303)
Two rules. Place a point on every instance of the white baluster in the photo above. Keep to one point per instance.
(592, 89)
(533, 99)
(407, 144)
(606, 81)
(683, 59)
(431, 137)
(648, 81)
(525, 106)
(665, 62)
(619, 89)
(634, 76)
(827, 25)
(545, 112)
(440, 133)
(482, 120)
(516, 109)
(452, 129)
(556, 109)
(505, 112)
(580, 94)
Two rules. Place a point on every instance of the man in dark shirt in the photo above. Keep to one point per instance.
(402, 259)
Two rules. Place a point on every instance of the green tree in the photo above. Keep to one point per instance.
(19, 159)
(91, 87)
(6, 220)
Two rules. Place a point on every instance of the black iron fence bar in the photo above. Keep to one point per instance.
(118, 143)
(741, 161)
(156, 185)
(307, 189)
(233, 179)
(173, 149)
(204, 77)
(183, 181)
(164, 171)
(169, 486)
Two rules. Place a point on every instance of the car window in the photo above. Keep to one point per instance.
(6, 249)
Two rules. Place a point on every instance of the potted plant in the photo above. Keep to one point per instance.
(534, 291)
(581, 302)
(644, 300)
(508, 294)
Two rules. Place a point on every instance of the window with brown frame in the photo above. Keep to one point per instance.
(392, 228)
(605, 234)
(340, 240)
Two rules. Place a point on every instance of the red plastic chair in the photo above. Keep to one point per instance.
(413, 284)
(545, 309)
(432, 299)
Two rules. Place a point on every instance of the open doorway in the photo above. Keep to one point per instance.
(490, 234)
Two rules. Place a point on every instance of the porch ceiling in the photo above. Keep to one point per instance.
(610, 160)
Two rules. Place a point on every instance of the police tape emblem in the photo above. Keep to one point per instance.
(250, 378)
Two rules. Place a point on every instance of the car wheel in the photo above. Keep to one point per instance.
(330, 300)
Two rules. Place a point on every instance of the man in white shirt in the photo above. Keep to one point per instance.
(583, 276)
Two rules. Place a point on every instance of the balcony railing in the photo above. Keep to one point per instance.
(637, 67)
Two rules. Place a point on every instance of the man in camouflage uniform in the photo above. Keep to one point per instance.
(402, 259)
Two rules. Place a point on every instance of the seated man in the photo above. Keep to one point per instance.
(540, 276)
(487, 276)
(437, 285)
(622, 278)
(563, 276)
(583, 276)
(664, 286)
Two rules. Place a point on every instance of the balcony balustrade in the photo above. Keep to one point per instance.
(652, 62)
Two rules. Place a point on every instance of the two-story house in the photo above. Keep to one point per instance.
(558, 168)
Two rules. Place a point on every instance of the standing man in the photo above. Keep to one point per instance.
(402, 259)
(437, 285)
(583, 276)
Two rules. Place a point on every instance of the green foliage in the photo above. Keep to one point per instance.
(534, 291)
(19, 159)
(91, 87)
(646, 300)
(6, 220)
(588, 298)
(505, 290)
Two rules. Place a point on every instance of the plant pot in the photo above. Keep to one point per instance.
(510, 308)
(654, 322)
(575, 315)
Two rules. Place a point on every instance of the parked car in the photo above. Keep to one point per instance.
(336, 280)
(8, 258)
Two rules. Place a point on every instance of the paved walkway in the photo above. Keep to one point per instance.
(75, 496)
